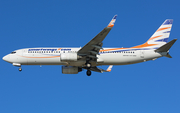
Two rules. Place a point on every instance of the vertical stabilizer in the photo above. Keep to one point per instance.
(161, 36)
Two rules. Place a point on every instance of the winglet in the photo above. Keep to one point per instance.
(111, 24)
(109, 68)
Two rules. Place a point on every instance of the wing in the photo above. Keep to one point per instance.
(96, 69)
(91, 49)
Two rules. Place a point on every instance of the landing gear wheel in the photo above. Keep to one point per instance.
(88, 73)
(20, 69)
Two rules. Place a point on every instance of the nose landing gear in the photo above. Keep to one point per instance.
(20, 69)
(17, 65)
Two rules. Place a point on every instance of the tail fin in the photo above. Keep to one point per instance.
(161, 36)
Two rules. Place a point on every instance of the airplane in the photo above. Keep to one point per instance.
(91, 55)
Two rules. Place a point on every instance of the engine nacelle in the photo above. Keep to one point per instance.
(69, 57)
(71, 70)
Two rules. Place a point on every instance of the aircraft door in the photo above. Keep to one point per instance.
(142, 54)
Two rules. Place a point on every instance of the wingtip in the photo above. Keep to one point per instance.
(109, 68)
(111, 24)
(115, 16)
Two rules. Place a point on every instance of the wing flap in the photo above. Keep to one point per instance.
(96, 69)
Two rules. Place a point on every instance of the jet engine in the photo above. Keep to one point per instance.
(69, 57)
(71, 70)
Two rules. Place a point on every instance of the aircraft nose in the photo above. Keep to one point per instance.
(5, 58)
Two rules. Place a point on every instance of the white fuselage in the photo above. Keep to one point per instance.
(107, 56)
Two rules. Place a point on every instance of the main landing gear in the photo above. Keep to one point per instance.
(88, 72)
(88, 65)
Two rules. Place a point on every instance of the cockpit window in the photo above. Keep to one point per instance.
(13, 52)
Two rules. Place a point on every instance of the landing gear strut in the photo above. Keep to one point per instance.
(88, 73)
(20, 69)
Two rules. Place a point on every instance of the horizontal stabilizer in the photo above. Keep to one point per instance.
(168, 55)
(166, 47)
